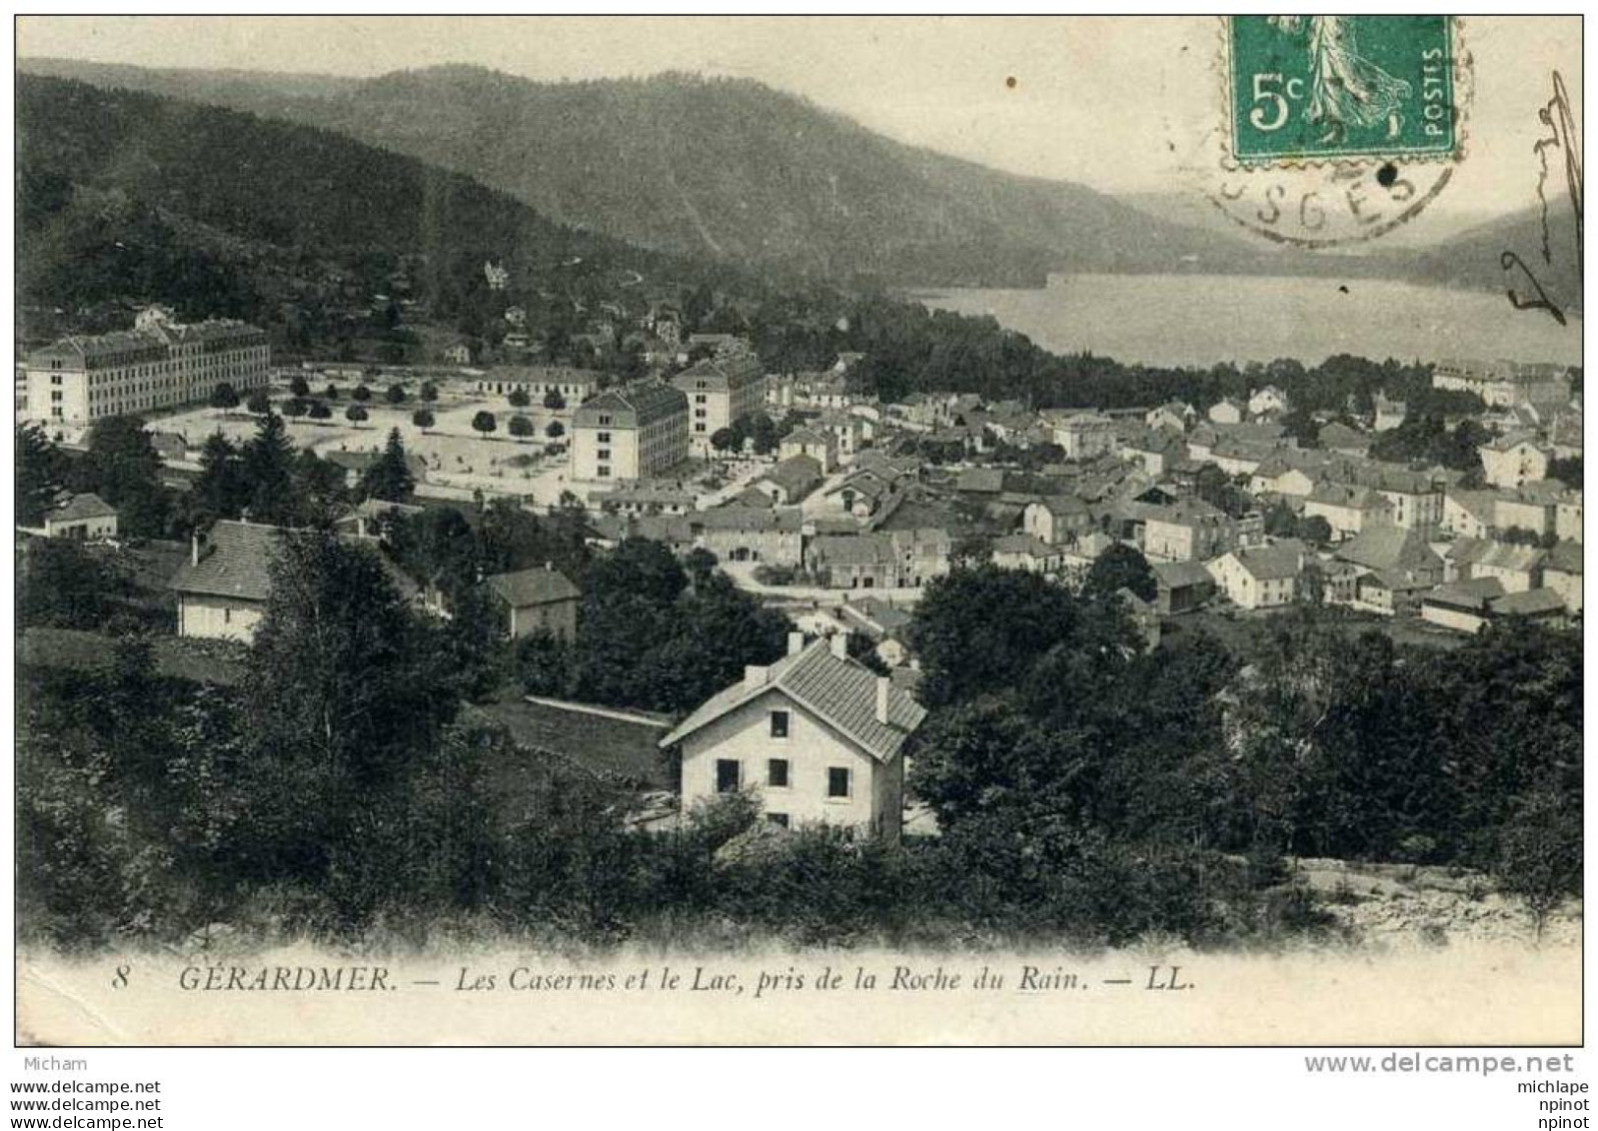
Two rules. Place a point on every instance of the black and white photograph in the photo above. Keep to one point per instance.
(813, 530)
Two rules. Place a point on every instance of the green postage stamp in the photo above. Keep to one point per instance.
(1308, 88)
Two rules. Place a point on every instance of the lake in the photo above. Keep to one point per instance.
(1204, 319)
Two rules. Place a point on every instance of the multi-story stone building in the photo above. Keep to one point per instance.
(1503, 384)
(1513, 460)
(1189, 530)
(1084, 435)
(159, 364)
(636, 432)
(720, 389)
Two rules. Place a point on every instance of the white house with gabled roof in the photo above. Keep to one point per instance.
(816, 735)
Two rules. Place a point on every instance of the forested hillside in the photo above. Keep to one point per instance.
(728, 169)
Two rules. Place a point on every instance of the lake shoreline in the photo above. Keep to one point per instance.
(1198, 321)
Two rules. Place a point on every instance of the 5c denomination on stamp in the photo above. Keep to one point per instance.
(1304, 88)
(1338, 129)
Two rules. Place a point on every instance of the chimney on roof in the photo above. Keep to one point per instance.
(884, 685)
(839, 642)
(195, 541)
(796, 643)
(756, 675)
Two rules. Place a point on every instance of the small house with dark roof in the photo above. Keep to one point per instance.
(806, 441)
(356, 464)
(1260, 578)
(1468, 606)
(1340, 438)
(1464, 606)
(791, 480)
(223, 588)
(1057, 519)
(536, 600)
(744, 534)
(1348, 509)
(83, 518)
(817, 736)
(1181, 587)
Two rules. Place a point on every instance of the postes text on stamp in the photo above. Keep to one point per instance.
(1329, 88)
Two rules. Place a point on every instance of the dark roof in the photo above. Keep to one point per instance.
(796, 475)
(850, 549)
(1388, 547)
(1565, 557)
(842, 692)
(647, 402)
(724, 371)
(877, 615)
(1270, 562)
(753, 498)
(1528, 603)
(81, 507)
(783, 520)
(235, 561)
(532, 587)
(1180, 575)
(1473, 595)
(1339, 435)
(1343, 495)
(1185, 512)
(1061, 505)
(807, 437)
(980, 480)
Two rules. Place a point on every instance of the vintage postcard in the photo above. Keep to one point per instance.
(622, 530)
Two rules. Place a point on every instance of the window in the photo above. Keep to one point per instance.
(837, 781)
(604, 437)
(777, 773)
(779, 724)
(603, 453)
(729, 774)
(604, 419)
(778, 819)
(604, 472)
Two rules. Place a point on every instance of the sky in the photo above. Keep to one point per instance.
(1093, 98)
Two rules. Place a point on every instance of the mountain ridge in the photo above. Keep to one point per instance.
(726, 166)
(732, 170)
